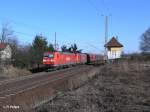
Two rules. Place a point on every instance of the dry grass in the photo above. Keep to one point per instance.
(11, 71)
(81, 79)
(122, 87)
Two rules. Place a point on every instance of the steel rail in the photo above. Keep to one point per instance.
(38, 83)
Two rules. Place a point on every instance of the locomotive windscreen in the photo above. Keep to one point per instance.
(48, 55)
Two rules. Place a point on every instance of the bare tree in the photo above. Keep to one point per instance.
(7, 37)
(6, 33)
(14, 44)
(73, 49)
(145, 42)
(64, 48)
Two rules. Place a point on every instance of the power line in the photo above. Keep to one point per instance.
(14, 31)
(97, 10)
(18, 23)
(26, 34)
(106, 6)
(93, 46)
(27, 25)
(24, 25)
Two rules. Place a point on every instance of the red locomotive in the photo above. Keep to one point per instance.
(61, 59)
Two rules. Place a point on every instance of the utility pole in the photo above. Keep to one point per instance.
(55, 42)
(106, 36)
(106, 29)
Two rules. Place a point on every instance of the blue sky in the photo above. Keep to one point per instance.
(78, 21)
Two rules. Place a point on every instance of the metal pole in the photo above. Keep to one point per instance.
(106, 36)
(106, 29)
(55, 42)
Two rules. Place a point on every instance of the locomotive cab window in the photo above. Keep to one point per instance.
(49, 55)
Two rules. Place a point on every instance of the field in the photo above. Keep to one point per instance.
(122, 87)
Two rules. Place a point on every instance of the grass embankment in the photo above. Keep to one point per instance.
(11, 72)
(122, 87)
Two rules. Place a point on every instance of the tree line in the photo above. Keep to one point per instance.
(30, 55)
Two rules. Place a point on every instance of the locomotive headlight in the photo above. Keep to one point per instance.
(52, 60)
(44, 60)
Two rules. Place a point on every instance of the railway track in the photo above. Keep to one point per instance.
(19, 85)
(31, 76)
(5, 84)
(11, 88)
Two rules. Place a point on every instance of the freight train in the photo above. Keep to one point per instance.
(64, 59)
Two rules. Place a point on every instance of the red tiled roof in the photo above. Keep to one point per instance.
(113, 43)
(2, 46)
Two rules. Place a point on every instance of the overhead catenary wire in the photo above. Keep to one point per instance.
(98, 11)
(95, 47)
(25, 34)
(24, 25)
(33, 27)
(93, 5)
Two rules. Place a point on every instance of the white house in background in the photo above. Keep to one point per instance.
(114, 49)
(5, 52)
